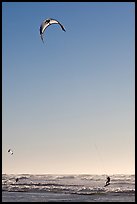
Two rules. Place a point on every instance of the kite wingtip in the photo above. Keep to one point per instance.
(42, 38)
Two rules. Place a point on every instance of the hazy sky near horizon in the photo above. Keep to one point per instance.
(68, 106)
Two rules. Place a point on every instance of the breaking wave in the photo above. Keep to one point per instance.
(72, 184)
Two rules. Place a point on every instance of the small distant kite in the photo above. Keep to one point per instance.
(10, 151)
(47, 23)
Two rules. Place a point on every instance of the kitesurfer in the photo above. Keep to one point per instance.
(108, 180)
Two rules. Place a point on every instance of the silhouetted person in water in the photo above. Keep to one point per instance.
(17, 179)
(108, 180)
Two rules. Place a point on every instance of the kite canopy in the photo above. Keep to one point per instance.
(10, 151)
(47, 23)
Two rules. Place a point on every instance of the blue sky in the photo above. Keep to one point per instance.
(68, 104)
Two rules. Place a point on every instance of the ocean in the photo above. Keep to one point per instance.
(67, 188)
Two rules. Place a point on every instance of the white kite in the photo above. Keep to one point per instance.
(47, 23)
(10, 151)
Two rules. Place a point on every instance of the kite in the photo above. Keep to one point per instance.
(47, 23)
(10, 151)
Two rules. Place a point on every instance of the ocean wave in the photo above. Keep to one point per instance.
(72, 184)
(63, 188)
(65, 177)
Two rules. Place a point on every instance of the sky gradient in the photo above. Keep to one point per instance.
(68, 105)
